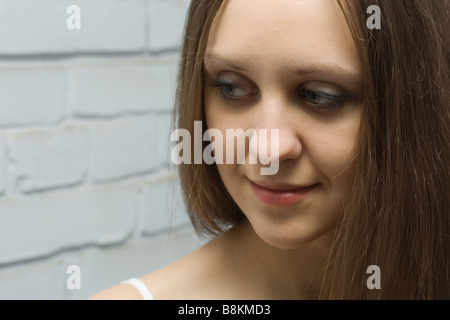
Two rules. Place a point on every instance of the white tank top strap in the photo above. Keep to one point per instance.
(141, 287)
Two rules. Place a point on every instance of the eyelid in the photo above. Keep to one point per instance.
(233, 78)
(325, 88)
(228, 98)
(220, 82)
(332, 96)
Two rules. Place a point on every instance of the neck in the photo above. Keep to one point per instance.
(264, 272)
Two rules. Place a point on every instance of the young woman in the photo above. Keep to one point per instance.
(363, 179)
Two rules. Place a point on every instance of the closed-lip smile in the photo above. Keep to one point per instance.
(280, 194)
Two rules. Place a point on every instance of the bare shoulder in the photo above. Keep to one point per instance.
(163, 283)
(119, 292)
(196, 276)
(190, 277)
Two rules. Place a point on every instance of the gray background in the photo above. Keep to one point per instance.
(85, 173)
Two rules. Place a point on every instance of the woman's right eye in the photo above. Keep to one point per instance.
(232, 93)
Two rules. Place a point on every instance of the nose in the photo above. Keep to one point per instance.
(283, 136)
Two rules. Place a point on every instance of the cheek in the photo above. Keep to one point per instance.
(223, 117)
(232, 180)
(333, 157)
(217, 118)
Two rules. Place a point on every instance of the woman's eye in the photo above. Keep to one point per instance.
(231, 92)
(234, 91)
(321, 101)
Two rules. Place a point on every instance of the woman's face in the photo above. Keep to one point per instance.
(289, 65)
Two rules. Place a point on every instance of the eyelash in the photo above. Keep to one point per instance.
(317, 108)
(220, 86)
(339, 100)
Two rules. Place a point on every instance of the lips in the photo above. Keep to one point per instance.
(281, 194)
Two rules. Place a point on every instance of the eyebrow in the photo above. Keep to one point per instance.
(298, 70)
(227, 61)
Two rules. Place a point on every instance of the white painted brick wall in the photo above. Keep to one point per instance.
(111, 90)
(49, 158)
(39, 27)
(169, 17)
(128, 147)
(30, 95)
(42, 224)
(85, 172)
(168, 211)
(3, 164)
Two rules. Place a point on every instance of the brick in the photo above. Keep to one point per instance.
(30, 96)
(44, 159)
(167, 19)
(105, 91)
(101, 269)
(39, 280)
(38, 27)
(129, 147)
(3, 164)
(163, 207)
(163, 142)
(43, 224)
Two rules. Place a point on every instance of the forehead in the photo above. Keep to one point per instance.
(283, 32)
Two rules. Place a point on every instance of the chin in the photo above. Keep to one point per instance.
(293, 238)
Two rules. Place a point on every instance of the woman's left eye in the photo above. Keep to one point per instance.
(319, 100)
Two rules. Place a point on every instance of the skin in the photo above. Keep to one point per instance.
(272, 53)
(314, 147)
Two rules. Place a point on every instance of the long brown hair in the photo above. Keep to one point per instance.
(209, 205)
(397, 214)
